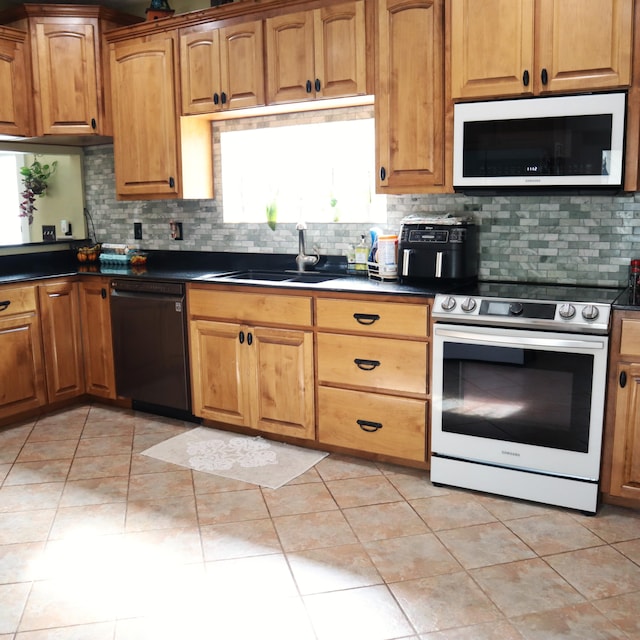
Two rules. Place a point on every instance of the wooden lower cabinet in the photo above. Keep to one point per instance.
(22, 381)
(62, 341)
(95, 319)
(250, 375)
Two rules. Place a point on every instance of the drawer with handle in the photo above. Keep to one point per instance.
(14, 300)
(379, 363)
(371, 317)
(374, 423)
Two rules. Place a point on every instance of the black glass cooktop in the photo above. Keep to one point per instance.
(548, 292)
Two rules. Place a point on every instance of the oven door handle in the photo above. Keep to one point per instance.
(520, 341)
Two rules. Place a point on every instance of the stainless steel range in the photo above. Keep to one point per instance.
(519, 377)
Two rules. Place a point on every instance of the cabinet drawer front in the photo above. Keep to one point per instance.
(372, 422)
(380, 363)
(17, 300)
(393, 318)
(630, 338)
(254, 308)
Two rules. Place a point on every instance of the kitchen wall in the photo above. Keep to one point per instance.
(574, 239)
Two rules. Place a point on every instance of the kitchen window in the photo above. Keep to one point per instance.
(285, 171)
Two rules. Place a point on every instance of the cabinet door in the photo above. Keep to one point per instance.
(625, 466)
(200, 71)
(584, 44)
(95, 320)
(60, 322)
(144, 118)
(242, 66)
(409, 96)
(282, 365)
(290, 63)
(491, 47)
(65, 77)
(340, 50)
(15, 87)
(219, 373)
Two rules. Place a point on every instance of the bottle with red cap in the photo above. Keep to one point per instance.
(634, 282)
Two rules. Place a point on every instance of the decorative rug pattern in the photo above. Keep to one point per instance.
(250, 459)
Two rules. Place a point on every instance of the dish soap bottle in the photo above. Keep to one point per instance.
(362, 254)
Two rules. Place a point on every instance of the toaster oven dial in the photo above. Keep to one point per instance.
(448, 304)
(468, 305)
(567, 311)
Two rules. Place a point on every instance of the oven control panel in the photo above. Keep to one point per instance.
(580, 317)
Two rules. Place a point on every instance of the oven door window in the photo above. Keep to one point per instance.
(528, 396)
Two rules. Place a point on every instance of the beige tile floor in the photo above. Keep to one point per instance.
(98, 542)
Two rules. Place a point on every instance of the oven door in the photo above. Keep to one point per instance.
(530, 400)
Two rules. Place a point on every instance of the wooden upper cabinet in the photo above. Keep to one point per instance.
(318, 53)
(69, 94)
(526, 47)
(15, 83)
(410, 96)
(157, 154)
(222, 69)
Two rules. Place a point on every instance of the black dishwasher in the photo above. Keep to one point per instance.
(150, 345)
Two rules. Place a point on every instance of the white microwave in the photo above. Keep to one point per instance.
(565, 141)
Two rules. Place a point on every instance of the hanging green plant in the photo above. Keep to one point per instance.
(35, 179)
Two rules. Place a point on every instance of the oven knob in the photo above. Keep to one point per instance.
(468, 305)
(590, 312)
(567, 311)
(448, 304)
(516, 308)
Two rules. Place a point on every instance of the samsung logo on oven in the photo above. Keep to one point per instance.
(510, 453)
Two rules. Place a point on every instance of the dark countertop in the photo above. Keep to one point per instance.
(191, 266)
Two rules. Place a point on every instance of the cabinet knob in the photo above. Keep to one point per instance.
(317, 84)
(249, 338)
(368, 426)
(383, 174)
(525, 78)
(544, 76)
(103, 293)
(94, 124)
(4, 305)
(172, 182)
(216, 98)
(223, 98)
(309, 87)
(241, 337)
(623, 379)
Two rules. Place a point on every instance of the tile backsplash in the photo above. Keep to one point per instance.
(581, 239)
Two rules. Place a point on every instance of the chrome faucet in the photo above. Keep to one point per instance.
(302, 259)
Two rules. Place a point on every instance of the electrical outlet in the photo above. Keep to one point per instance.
(137, 230)
(176, 230)
(48, 233)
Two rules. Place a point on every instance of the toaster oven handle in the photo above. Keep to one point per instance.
(405, 261)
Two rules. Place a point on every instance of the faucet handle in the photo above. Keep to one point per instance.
(301, 226)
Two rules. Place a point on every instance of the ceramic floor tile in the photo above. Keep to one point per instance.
(88, 520)
(367, 613)
(162, 513)
(95, 491)
(333, 569)
(150, 486)
(15, 435)
(613, 524)
(18, 562)
(528, 586)
(38, 472)
(97, 631)
(239, 539)
(300, 498)
(355, 492)
(211, 483)
(443, 602)
(100, 467)
(13, 598)
(54, 450)
(501, 630)
(623, 611)
(124, 429)
(24, 497)
(577, 622)
(46, 432)
(70, 417)
(160, 547)
(415, 484)
(4, 471)
(336, 467)
(141, 464)
(411, 557)
(313, 531)
(104, 446)
(553, 533)
(25, 526)
(510, 508)
(482, 545)
(380, 521)
(231, 506)
(599, 572)
(631, 549)
(451, 511)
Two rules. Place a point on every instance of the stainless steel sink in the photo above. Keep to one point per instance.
(273, 276)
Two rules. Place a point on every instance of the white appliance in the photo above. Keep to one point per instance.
(563, 141)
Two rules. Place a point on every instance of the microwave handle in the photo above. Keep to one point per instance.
(405, 261)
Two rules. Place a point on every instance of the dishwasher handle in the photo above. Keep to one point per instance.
(129, 295)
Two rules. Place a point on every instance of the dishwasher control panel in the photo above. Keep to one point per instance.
(148, 286)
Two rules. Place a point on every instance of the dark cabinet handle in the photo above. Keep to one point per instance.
(223, 98)
(317, 84)
(368, 426)
(249, 338)
(366, 365)
(525, 78)
(216, 98)
(544, 76)
(383, 174)
(172, 182)
(309, 86)
(4, 304)
(366, 318)
(241, 337)
(94, 124)
(103, 293)
(623, 379)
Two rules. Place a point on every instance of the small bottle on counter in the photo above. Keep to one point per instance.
(362, 255)
(634, 282)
